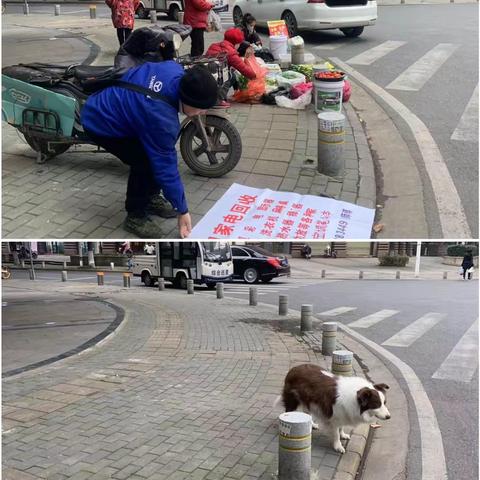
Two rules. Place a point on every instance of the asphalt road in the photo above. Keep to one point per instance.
(453, 305)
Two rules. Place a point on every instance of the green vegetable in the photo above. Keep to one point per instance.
(306, 70)
(242, 82)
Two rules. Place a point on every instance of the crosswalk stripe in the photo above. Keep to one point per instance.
(337, 311)
(467, 128)
(462, 362)
(372, 54)
(372, 319)
(418, 74)
(411, 333)
(330, 46)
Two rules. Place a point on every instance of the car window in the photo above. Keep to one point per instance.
(239, 252)
(261, 252)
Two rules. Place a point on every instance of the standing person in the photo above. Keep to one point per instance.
(196, 15)
(467, 264)
(123, 17)
(142, 132)
(307, 251)
(248, 28)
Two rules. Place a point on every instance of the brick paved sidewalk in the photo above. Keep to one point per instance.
(180, 391)
(81, 192)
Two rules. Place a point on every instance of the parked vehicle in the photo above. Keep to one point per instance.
(44, 102)
(252, 263)
(172, 7)
(350, 16)
(203, 262)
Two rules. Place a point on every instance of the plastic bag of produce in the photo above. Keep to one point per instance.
(347, 91)
(290, 78)
(298, 103)
(300, 89)
(253, 89)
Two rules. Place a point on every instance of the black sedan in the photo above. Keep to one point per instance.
(254, 263)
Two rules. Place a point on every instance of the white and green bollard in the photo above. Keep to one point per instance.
(329, 337)
(342, 362)
(253, 296)
(57, 10)
(93, 12)
(153, 16)
(360, 275)
(283, 305)
(294, 446)
(64, 276)
(397, 275)
(161, 283)
(190, 287)
(100, 278)
(220, 290)
(323, 273)
(445, 275)
(306, 318)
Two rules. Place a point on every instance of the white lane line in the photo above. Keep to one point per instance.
(330, 46)
(450, 210)
(433, 456)
(411, 333)
(373, 319)
(373, 54)
(418, 74)
(467, 128)
(462, 362)
(337, 311)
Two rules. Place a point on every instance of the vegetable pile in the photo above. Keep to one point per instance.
(306, 70)
(330, 76)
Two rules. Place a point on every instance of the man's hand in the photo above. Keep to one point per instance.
(184, 225)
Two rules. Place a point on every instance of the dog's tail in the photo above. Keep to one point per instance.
(277, 402)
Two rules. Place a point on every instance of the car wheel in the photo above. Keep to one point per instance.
(180, 281)
(237, 16)
(352, 32)
(291, 23)
(250, 275)
(147, 279)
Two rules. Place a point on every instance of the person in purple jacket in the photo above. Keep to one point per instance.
(142, 133)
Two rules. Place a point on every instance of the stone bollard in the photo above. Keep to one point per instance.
(64, 265)
(306, 318)
(360, 275)
(253, 296)
(294, 446)
(112, 266)
(44, 265)
(190, 287)
(126, 280)
(161, 283)
(323, 273)
(93, 11)
(219, 287)
(80, 263)
(100, 278)
(57, 10)
(283, 305)
(181, 16)
(64, 276)
(445, 275)
(153, 16)
(331, 141)
(342, 362)
(397, 275)
(31, 274)
(329, 337)
(23, 263)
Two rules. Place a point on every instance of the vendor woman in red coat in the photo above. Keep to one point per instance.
(196, 15)
(123, 17)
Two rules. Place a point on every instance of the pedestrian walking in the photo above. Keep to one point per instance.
(196, 15)
(467, 265)
(123, 17)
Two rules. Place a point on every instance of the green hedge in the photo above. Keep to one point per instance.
(460, 250)
(393, 261)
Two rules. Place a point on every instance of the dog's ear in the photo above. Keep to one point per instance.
(383, 387)
(363, 396)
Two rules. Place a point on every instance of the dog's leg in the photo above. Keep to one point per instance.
(337, 444)
(343, 435)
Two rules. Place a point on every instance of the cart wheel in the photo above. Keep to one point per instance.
(226, 147)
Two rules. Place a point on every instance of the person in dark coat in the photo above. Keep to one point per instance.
(467, 263)
(196, 15)
(248, 27)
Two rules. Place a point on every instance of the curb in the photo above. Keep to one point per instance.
(38, 268)
(351, 460)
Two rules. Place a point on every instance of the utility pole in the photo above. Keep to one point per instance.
(417, 259)
(157, 253)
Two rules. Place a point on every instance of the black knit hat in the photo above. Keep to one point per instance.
(198, 88)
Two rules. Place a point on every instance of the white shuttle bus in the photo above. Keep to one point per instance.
(203, 262)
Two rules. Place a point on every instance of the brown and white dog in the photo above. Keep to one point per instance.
(335, 401)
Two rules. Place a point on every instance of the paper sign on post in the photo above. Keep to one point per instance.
(245, 212)
(277, 28)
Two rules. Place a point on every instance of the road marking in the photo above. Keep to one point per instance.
(411, 333)
(373, 54)
(450, 210)
(433, 456)
(330, 46)
(418, 74)
(372, 319)
(467, 128)
(462, 362)
(337, 311)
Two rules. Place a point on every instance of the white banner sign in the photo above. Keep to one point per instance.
(246, 212)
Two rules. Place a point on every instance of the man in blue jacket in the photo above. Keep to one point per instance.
(142, 132)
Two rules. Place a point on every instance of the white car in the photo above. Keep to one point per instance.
(350, 16)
